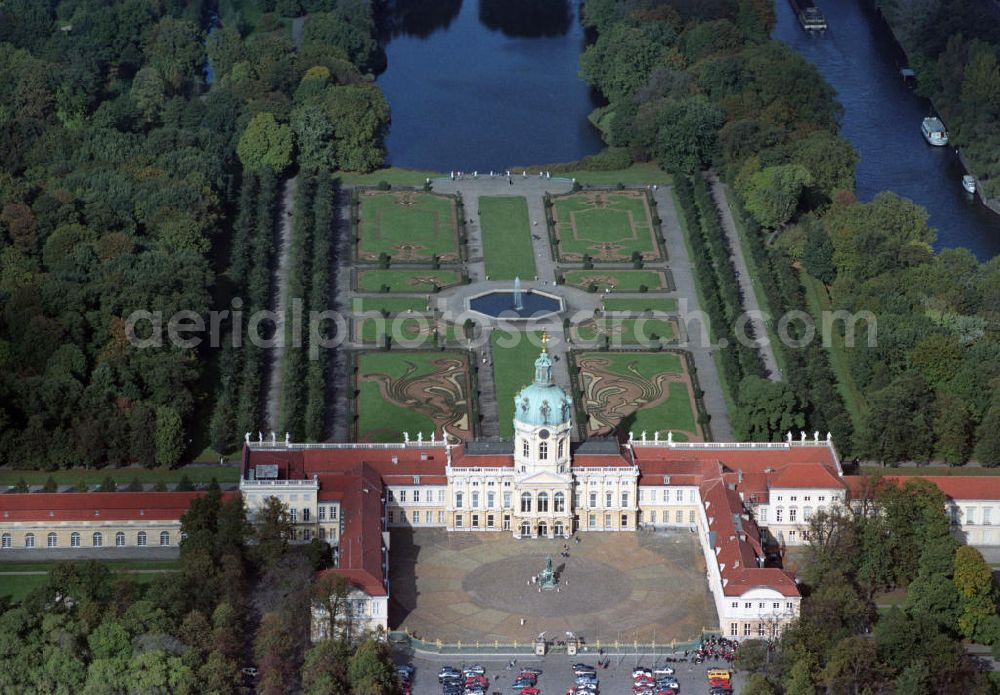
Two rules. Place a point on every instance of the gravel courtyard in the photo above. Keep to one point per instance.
(615, 586)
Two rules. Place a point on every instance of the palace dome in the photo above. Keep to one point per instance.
(543, 402)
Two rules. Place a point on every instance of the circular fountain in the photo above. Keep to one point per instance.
(516, 304)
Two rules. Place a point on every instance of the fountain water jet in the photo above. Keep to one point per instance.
(518, 302)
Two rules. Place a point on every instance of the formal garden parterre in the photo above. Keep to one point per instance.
(604, 227)
(406, 225)
(415, 392)
(636, 391)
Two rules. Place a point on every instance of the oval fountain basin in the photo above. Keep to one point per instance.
(500, 303)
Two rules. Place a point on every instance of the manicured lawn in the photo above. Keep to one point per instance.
(621, 280)
(636, 391)
(393, 305)
(407, 280)
(412, 392)
(607, 226)
(407, 226)
(513, 358)
(395, 176)
(19, 586)
(625, 331)
(506, 232)
(854, 399)
(664, 304)
(374, 330)
(123, 476)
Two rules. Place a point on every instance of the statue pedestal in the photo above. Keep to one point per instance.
(572, 644)
(540, 647)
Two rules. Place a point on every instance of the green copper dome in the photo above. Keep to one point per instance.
(543, 402)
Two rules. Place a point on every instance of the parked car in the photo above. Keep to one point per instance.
(641, 671)
(663, 671)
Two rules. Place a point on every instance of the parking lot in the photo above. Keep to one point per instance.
(557, 674)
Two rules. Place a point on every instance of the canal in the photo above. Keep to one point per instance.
(859, 57)
(485, 84)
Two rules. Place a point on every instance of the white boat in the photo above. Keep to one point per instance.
(934, 131)
(969, 183)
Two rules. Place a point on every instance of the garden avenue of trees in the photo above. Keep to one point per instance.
(693, 85)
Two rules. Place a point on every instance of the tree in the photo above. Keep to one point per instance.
(799, 680)
(360, 115)
(977, 593)
(148, 92)
(325, 669)
(758, 684)
(265, 144)
(900, 422)
(915, 679)
(767, 409)
(174, 48)
(772, 194)
(220, 675)
(272, 650)
(169, 437)
(687, 137)
(315, 137)
(953, 430)
(817, 256)
(370, 670)
(225, 49)
(273, 529)
(853, 666)
(157, 672)
(987, 451)
(620, 61)
(936, 596)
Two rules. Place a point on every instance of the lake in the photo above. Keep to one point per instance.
(485, 84)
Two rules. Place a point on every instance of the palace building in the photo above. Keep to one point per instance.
(738, 498)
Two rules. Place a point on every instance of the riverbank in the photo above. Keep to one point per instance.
(915, 58)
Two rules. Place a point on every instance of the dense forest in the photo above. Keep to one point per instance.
(240, 596)
(897, 537)
(700, 85)
(954, 47)
(127, 182)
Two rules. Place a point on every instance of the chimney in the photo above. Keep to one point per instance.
(739, 476)
(395, 460)
(736, 565)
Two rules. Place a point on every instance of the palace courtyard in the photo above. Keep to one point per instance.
(476, 587)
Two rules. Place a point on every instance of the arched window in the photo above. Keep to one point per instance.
(543, 501)
(543, 450)
(97, 540)
(29, 540)
(525, 529)
(525, 448)
(52, 540)
(140, 539)
(164, 538)
(6, 541)
(120, 540)
(525, 501)
(559, 451)
(74, 540)
(559, 502)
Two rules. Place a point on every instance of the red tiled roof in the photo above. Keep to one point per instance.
(805, 475)
(98, 506)
(360, 545)
(600, 461)
(743, 580)
(956, 487)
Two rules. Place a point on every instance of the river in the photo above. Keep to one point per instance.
(485, 84)
(882, 116)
